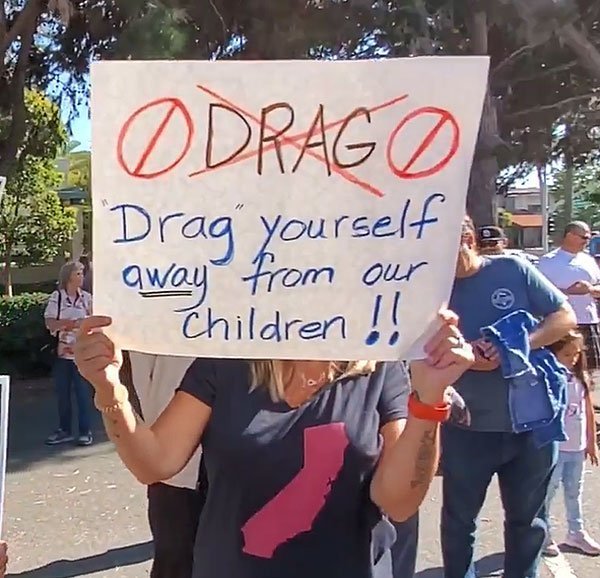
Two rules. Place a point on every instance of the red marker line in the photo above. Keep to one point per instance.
(148, 151)
(445, 117)
(294, 138)
(293, 141)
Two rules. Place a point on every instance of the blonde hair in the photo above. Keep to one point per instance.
(270, 374)
(66, 271)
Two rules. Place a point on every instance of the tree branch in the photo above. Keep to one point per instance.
(29, 14)
(511, 57)
(3, 25)
(17, 85)
(552, 106)
(544, 72)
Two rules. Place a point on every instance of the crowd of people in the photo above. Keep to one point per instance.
(259, 469)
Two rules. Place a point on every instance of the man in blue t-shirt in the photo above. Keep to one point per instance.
(486, 290)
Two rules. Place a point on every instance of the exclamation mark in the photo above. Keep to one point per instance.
(373, 337)
(396, 335)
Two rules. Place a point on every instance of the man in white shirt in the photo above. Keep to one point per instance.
(577, 274)
(174, 506)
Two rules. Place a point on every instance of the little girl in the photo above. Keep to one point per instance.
(580, 427)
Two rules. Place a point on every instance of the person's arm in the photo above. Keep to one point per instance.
(410, 453)
(595, 273)
(548, 272)
(157, 453)
(407, 466)
(579, 288)
(151, 454)
(547, 302)
(53, 325)
(554, 326)
(591, 434)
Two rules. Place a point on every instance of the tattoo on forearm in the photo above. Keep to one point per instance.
(111, 423)
(425, 458)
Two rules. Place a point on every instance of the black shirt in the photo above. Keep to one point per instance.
(288, 488)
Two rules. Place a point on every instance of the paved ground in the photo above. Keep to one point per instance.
(77, 512)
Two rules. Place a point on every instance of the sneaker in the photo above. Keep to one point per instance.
(583, 542)
(85, 440)
(59, 437)
(551, 550)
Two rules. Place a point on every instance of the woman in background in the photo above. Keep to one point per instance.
(67, 306)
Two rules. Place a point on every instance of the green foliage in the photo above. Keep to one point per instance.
(34, 224)
(586, 194)
(158, 32)
(537, 80)
(24, 339)
(40, 287)
(545, 63)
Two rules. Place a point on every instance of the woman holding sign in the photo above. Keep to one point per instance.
(304, 458)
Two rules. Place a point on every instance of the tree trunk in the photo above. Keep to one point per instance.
(481, 195)
(8, 289)
(16, 133)
(568, 187)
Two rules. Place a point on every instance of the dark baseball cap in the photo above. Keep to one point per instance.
(490, 234)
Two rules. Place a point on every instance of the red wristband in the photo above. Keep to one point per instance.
(438, 413)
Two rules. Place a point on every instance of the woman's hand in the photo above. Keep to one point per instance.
(97, 357)
(591, 451)
(448, 357)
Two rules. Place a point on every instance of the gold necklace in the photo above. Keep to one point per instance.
(312, 383)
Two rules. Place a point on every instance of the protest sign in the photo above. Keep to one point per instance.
(287, 210)
(4, 402)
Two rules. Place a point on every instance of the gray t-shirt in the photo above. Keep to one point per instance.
(288, 489)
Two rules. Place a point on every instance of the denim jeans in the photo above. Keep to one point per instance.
(66, 379)
(404, 550)
(469, 461)
(570, 470)
(399, 558)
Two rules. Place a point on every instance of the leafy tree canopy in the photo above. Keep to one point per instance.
(34, 224)
(544, 54)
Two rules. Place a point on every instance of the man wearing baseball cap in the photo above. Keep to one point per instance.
(491, 240)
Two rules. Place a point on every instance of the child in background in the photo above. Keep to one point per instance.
(580, 427)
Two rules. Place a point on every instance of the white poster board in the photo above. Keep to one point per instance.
(287, 210)
(4, 403)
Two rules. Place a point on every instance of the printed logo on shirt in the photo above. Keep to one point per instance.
(294, 509)
(503, 299)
